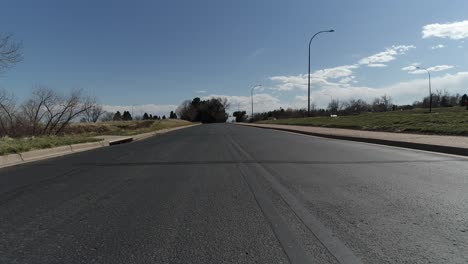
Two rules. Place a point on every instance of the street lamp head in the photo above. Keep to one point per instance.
(417, 67)
(331, 30)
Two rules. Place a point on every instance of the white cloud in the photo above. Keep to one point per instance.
(376, 65)
(262, 102)
(141, 109)
(409, 68)
(379, 59)
(334, 73)
(413, 69)
(347, 80)
(321, 77)
(455, 30)
(301, 98)
(289, 83)
(340, 75)
(201, 91)
(440, 46)
(440, 68)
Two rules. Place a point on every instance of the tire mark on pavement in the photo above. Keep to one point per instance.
(335, 246)
(293, 250)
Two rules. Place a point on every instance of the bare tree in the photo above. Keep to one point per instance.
(387, 102)
(62, 110)
(335, 106)
(35, 110)
(46, 112)
(224, 102)
(186, 111)
(313, 107)
(107, 116)
(10, 51)
(354, 106)
(382, 104)
(7, 113)
(93, 113)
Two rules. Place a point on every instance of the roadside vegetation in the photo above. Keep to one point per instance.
(449, 115)
(49, 119)
(443, 121)
(17, 145)
(124, 128)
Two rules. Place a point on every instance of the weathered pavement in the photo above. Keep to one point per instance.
(457, 145)
(231, 194)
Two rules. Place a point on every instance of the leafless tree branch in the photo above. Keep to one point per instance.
(10, 51)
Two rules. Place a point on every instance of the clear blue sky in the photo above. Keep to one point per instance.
(162, 52)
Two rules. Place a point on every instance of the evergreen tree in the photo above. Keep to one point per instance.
(163, 117)
(127, 116)
(146, 116)
(173, 115)
(464, 100)
(117, 116)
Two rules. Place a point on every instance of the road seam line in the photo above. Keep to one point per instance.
(335, 247)
(293, 250)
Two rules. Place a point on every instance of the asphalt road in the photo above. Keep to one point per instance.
(232, 194)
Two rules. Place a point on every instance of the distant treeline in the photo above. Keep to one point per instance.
(357, 106)
(127, 116)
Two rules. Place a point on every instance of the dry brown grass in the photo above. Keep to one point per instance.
(124, 128)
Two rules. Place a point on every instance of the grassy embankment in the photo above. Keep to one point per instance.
(443, 121)
(85, 132)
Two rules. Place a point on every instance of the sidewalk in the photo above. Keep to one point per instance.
(446, 144)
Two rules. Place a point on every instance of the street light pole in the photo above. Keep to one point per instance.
(430, 92)
(251, 96)
(308, 90)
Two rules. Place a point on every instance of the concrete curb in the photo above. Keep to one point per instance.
(86, 146)
(10, 160)
(41, 154)
(143, 136)
(118, 141)
(394, 143)
(45, 153)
